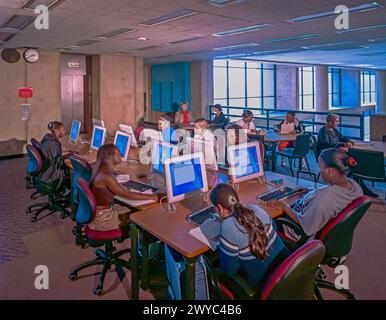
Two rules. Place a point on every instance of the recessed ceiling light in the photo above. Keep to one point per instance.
(303, 37)
(18, 22)
(141, 38)
(327, 45)
(360, 8)
(115, 33)
(169, 17)
(370, 28)
(237, 46)
(223, 3)
(242, 30)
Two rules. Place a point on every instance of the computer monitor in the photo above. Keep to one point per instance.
(184, 175)
(129, 130)
(98, 137)
(207, 148)
(160, 152)
(99, 123)
(245, 161)
(150, 134)
(122, 142)
(75, 130)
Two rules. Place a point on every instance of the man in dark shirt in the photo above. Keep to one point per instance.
(330, 137)
(219, 118)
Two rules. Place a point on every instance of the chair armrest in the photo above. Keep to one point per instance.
(236, 284)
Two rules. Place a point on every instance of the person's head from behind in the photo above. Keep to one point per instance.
(332, 121)
(226, 201)
(247, 116)
(184, 106)
(290, 117)
(334, 165)
(201, 124)
(57, 129)
(164, 122)
(217, 109)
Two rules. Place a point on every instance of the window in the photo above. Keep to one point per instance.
(244, 84)
(368, 87)
(307, 88)
(334, 87)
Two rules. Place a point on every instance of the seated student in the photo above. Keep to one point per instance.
(219, 117)
(104, 185)
(298, 128)
(330, 137)
(183, 117)
(202, 130)
(56, 171)
(248, 239)
(317, 207)
(168, 133)
(247, 121)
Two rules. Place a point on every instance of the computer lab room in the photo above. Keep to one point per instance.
(192, 150)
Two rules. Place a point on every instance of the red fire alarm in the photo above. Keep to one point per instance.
(25, 92)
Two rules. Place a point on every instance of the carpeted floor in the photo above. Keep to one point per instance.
(24, 245)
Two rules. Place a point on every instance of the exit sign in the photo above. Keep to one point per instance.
(25, 92)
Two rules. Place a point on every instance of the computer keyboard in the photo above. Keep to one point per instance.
(277, 194)
(139, 186)
(199, 217)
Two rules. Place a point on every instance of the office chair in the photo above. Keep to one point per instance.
(362, 170)
(292, 279)
(314, 149)
(35, 195)
(85, 213)
(56, 201)
(337, 237)
(302, 147)
(81, 169)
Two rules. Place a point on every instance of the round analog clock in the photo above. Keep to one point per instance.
(31, 55)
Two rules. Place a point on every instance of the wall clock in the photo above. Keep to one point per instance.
(31, 55)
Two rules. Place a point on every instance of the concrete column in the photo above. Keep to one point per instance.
(321, 88)
(381, 91)
(287, 87)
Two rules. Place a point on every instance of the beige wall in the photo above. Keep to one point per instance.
(44, 78)
(121, 90)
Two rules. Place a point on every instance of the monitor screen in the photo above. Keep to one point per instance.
(122, 143)
(97, 140)
(161, 152)
(186, 176)
(75, 130)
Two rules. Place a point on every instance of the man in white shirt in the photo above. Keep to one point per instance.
(247, 121)
(202, 131)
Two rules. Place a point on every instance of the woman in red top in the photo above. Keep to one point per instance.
(183, 117)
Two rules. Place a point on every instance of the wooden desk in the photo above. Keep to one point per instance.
(273, 138)
(173, 229)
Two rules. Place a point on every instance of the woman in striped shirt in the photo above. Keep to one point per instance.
(248, 239)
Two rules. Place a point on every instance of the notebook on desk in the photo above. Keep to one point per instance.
(208, 233)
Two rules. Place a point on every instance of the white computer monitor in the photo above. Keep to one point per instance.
(184, 175)
(207, 148)
(122, 142)
(98, 137)
(75, 130)
(160, 152)
(99, 123)
(245, 162)
(129, 130)
(150, 134)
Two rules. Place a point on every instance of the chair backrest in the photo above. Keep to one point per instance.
(36, 143)
(302, 145)
(35, 160)
(314, 146)
(294, 278)
(262, 149)
(81, 169)
(375, 171)
(86, 209)
(337, 234)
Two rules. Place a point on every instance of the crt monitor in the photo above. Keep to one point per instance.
(150, 134)
(75, 130)
(122, 142)
(98, 137)
(99, 123)
(129, 130)
(205, 146)
(245, 161)
(160, 152)
(184, 175)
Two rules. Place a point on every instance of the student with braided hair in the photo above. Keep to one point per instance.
(248, 239)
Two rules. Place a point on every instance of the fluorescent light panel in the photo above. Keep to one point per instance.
(237, 46)
(169, 17)
(32, 4)
(186, 40)
(86, 42)
(242, 30)
(223, 3)
(303, 37)
(115, 33)
(327, 45)
(18, 22)
(360, 8)
(370, 28)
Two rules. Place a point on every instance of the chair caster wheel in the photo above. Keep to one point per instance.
(72, 276)
(98, 291)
